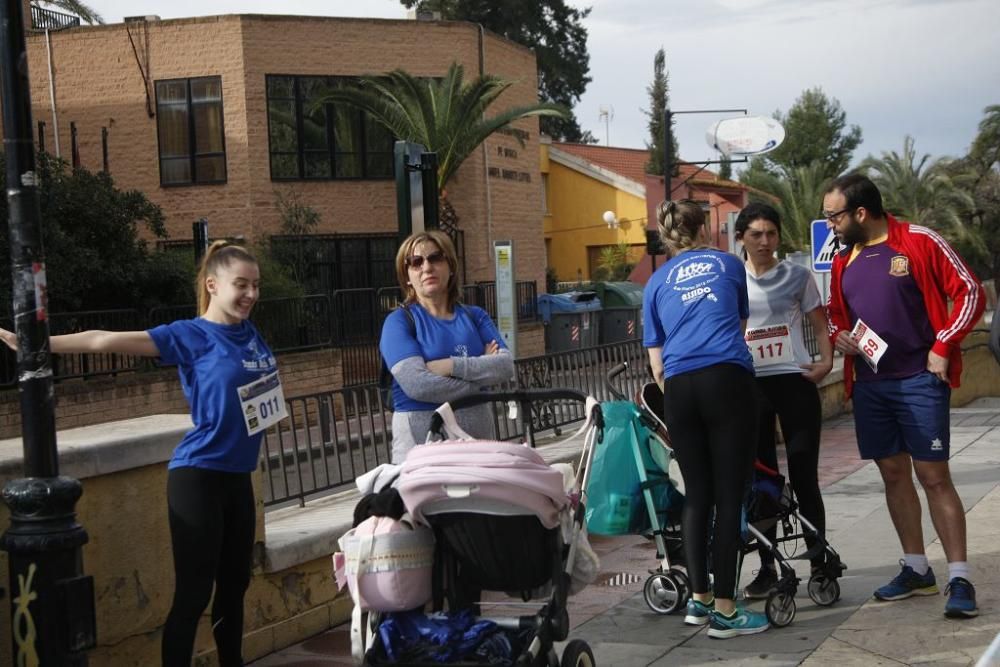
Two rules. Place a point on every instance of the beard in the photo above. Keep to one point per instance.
(853, 233)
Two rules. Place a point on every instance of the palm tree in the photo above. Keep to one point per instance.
(86, 14)
(926, 192)
(445, 115)
(799, 192)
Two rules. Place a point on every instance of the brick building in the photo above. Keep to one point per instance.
(212, 117)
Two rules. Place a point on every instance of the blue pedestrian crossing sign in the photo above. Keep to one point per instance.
(824, 246)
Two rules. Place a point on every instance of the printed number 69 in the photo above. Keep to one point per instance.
(870, 347)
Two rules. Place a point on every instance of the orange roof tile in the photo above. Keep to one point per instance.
(631, 163)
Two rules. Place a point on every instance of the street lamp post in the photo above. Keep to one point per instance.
(52, 603)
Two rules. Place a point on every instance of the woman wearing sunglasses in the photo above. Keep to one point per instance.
(437, 349)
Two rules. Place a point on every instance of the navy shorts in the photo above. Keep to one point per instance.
(907, 415)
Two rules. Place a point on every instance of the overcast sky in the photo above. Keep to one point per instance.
(921, 67)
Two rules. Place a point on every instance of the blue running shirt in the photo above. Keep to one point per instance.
(214, 360)
(464, 335)
(692, 307)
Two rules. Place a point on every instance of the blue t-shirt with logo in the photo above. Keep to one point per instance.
(214, 361)
(465, 335)
(692, 307)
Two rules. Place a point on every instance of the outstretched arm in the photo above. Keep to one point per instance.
(138, 343)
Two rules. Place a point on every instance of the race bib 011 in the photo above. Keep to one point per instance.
(262, 403)
(770, 345)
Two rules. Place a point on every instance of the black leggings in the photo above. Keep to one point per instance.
(710, 414)
(795, 401)
(212, 521)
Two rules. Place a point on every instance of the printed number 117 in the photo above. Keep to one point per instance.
(770, 350)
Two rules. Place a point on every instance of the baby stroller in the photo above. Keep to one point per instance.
(635, 474)
(502, 521)
(771, 502)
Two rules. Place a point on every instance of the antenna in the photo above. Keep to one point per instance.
(607, 114)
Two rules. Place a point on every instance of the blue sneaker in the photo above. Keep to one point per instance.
(908, 583)
(961, 599)
(698, 613)
(742, 622)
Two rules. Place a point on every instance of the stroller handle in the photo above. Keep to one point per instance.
(609, 380)
(523, 396)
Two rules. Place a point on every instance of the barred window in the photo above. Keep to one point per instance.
(190, 131)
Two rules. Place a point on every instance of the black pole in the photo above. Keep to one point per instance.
(52, 604)
(668, 150)
(199, 234)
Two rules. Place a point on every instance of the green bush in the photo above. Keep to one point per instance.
(94, 257)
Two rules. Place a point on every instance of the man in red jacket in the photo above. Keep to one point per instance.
(889, 315)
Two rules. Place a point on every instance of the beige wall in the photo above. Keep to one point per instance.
(125, 515)
(98, 84)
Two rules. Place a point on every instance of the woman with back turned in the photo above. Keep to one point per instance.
(695, 310)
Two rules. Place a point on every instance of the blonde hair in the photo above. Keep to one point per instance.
(444, 244)
(679, 223)
(219, 255)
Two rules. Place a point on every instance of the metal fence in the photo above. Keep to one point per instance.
(350, 319)
(46, 19)
(333, 437)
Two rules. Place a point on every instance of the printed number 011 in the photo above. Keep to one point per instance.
(269, 407)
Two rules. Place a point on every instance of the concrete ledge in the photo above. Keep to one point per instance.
(296, 535)
(90, 451)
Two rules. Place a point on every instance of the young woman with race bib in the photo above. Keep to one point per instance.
(230, 379)
(783, 296)
(695, 309)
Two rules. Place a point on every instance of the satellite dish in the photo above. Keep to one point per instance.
(746, 135)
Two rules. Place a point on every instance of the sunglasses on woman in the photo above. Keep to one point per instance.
(416, 261)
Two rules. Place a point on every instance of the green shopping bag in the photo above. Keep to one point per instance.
(615, 504)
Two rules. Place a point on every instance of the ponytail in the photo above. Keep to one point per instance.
(219, 255)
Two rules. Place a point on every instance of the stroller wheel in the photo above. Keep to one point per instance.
(577, 654)
(664, 592)
(684, 582)
(780, 608)
(823, 590)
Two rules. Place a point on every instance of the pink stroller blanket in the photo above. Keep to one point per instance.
(484, 476)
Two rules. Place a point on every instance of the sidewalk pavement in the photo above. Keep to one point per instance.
(612, 616)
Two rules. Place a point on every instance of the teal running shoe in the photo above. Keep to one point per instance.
(908, 583)
(698, 613)
(742, 622)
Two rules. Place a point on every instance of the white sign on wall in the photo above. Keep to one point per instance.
(503, 256)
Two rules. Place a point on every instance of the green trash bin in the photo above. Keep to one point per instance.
(571, 320)
(621, 314)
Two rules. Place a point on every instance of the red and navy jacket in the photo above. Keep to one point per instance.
(940, 274)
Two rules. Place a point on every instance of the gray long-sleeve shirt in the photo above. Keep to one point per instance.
(469, 375)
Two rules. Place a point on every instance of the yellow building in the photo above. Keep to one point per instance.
(581, 182)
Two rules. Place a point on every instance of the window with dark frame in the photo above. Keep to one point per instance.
(191, 131)
(325, 142)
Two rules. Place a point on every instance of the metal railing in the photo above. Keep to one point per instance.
(484, 295)
(46, 19)
(333, 437)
